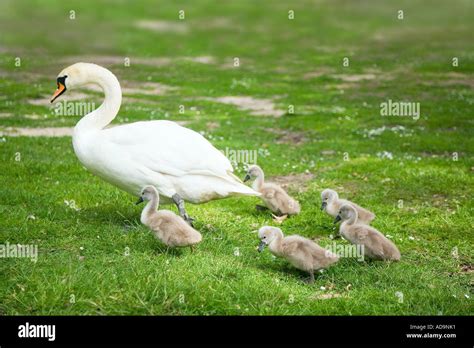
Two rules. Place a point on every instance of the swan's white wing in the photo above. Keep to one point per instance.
(168, 148)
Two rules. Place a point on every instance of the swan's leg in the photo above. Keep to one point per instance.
(182, 211)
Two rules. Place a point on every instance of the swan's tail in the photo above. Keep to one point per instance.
(240, 188)
(245, 191)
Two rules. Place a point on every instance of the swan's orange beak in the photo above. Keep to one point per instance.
(61, 89)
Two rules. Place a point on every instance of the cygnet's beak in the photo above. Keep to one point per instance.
(139, 200)
(323, 205)
(247, 177)
(337, 219)
(261, 246)
(61, 88)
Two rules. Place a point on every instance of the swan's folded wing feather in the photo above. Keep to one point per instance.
(361, 233)
(187, 152)
(362, 209)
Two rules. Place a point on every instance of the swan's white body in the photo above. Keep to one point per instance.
(164, 154)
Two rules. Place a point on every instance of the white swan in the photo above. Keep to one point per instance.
(179, 162)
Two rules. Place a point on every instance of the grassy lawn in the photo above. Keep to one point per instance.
(96, 258)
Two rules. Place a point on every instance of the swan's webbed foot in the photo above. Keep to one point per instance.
(182, 211)
(279, 219)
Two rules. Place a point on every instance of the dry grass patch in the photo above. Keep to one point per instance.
(257, 107)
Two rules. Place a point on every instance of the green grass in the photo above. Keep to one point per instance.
(83, 253)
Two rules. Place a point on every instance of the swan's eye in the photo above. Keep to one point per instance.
(62, 81)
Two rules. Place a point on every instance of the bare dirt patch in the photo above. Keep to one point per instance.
(354, 78)
(101, 60)
(146, 88)
(150, 61)
(129, 88)
(5, 114)
(452, 79)
(317, 73)
(215, 23)
(118, 60)
(328, 152)
(52, 131)
(128, 101)
(162, 26)
(295, 182)
(33, 117)
(340, 86)
(182, 123)
(201, 59)
(257, 107)
(37, 132)
(68, 96)
(40, 102)
(326, 296)
(371, 76)
(289, 137)
(212, 125)
(228, 63)
(439, 200)
(467, 268)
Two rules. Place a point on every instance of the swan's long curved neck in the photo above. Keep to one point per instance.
(275, 246)
(352, 219)
(104, 114)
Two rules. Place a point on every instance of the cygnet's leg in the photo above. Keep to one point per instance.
(261, 207)
(311, 277)
(182, 211)
(337, 235)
